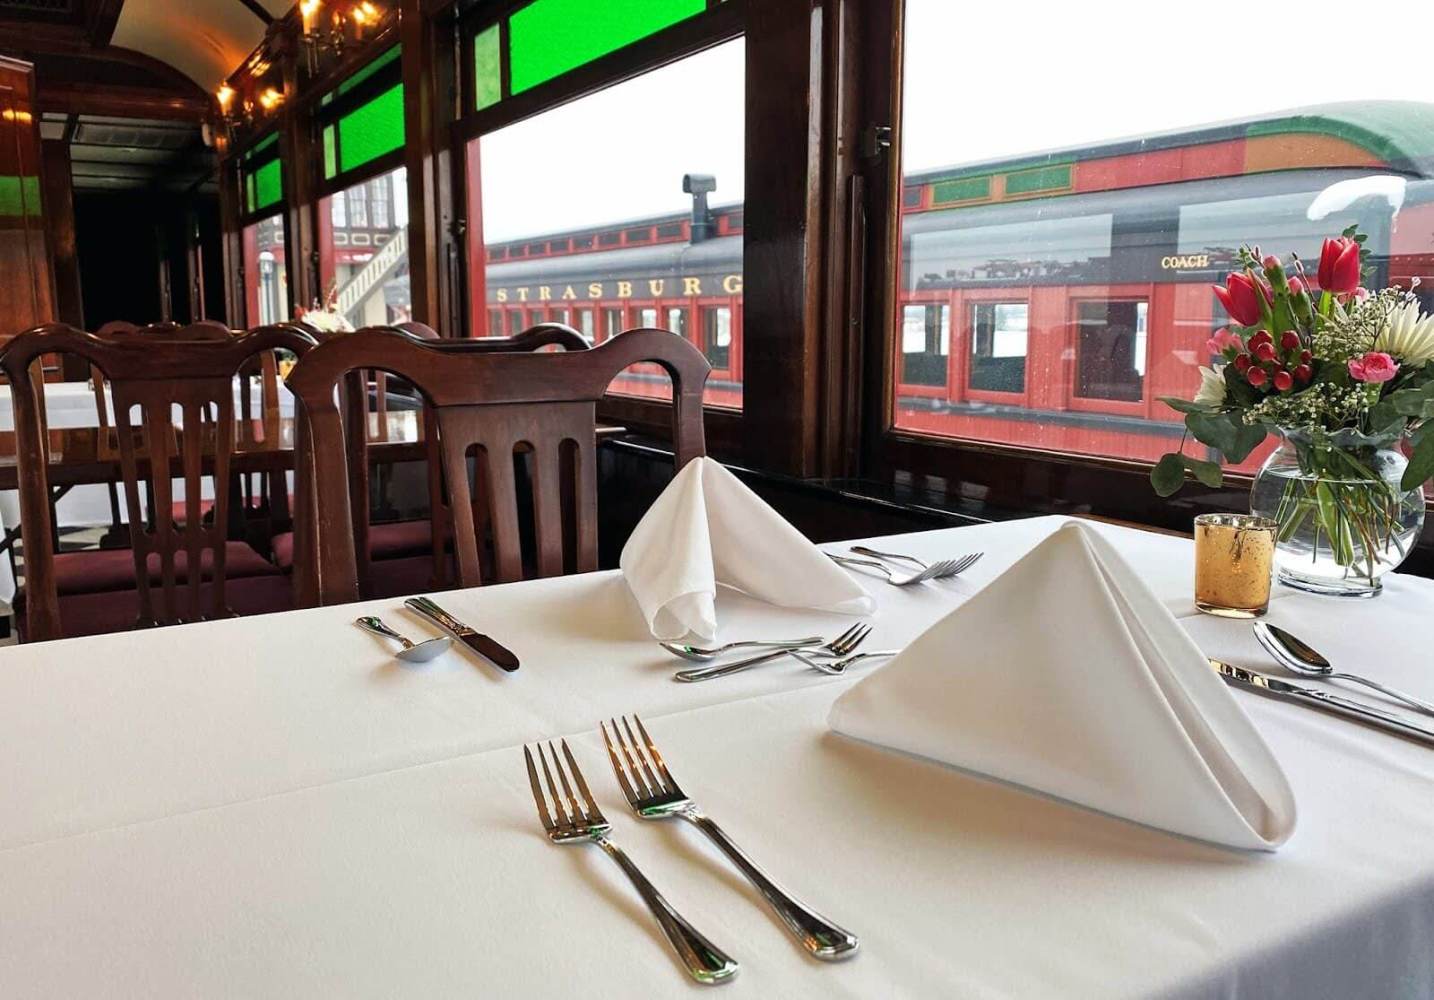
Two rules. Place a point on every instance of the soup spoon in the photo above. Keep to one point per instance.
(411, 652)
(1300, 657)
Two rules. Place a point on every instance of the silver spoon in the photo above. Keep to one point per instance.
(700, 653)
(837, 667)
(411, 652)
(1300, 657)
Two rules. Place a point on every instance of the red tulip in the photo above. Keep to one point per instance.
(1256, 377)
(1339, 266)
(1244, 298)
(1283, 380)
(1297, 287)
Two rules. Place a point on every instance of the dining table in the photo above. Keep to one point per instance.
(277, 807)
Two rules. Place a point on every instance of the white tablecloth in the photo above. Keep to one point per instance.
(273, 807)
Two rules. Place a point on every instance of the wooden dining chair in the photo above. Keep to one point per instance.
(489, 407)
(177, 569)
(405, 556)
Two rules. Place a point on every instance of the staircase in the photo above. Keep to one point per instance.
(374, 273)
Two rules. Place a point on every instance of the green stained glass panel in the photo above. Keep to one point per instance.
(250, 198)
(549, 37)
(1054, 178)
(961, 189)
(386, 59)
(20, 196)
(268, 185)
(487, 69)
(370, 131)
(331, 159)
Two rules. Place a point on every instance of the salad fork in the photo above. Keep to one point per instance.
(701, 653)
(653, 794)
(863, 550)
(840, 646)
(838, 667)
(704, 961)
(942, 570)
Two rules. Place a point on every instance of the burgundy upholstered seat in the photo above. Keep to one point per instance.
(105, 570)
(117, 610)
(392, 540)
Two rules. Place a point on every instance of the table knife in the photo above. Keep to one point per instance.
(1322, 701)
(474, 640)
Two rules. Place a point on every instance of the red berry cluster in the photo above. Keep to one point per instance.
(1282, 365)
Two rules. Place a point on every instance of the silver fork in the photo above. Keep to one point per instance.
(863, 550)
(653, 794)
(702, 653)
(840, 646)
(942, 570)
(586, 825)
(838, 667)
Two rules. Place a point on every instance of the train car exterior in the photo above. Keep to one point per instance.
(1048, 301)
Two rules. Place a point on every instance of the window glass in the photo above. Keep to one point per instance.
(1076, 238)
(586, 323)
(364, 258)
(998, 346)
(925, 342)
(495, 323)
(266, 279)
(717, 336)
(617, 237)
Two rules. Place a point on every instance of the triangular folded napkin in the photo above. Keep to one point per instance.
(707, 528)
(1068, 676)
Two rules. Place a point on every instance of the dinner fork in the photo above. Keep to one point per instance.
(942, 570)
(863, 550)
(653, 794)
(840, 646)
(586, 825)
(838, 667)
(702, 653)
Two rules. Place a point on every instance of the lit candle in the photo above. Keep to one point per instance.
(309, 12)
(225, 96)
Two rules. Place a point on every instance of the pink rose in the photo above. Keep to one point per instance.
(1224, 340)
(1376, 366)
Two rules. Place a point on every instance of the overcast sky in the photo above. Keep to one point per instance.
(984, 81)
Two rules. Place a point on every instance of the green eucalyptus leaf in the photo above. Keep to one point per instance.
(1211, 429)
(1421, 462)
(1208, 473)
(1247, 438)
(1168, 475)
(1185, 405)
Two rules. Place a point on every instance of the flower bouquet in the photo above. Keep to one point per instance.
(325, 316)
(1346, 377)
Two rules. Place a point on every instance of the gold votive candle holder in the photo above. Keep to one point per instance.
(1234, 564)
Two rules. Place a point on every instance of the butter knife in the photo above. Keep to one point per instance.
(1322, 701)
(476, 641)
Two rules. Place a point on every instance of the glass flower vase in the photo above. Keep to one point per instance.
(1344, 521)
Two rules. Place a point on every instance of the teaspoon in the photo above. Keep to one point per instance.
(411, 652)
(1298, 656)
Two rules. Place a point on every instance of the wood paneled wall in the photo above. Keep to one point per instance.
(26, 277)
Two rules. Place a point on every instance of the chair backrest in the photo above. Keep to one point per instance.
(485, 404)
(155, 375)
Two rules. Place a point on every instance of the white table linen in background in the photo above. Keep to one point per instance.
(273, 807)
(1094, 695)
(707, 528)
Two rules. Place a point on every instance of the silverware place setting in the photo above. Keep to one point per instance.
(1299, 657)
(410, 651)
(840, 646)
(583, 823)
(653, 794)
(943, 569)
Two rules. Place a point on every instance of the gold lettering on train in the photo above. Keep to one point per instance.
(568, 293)
(624, 289)
(544, 293)
(502, 295)
(732, 284)
(522, 295)
(595, 290)
(691, 286)
(1181, 262)
(656, 285)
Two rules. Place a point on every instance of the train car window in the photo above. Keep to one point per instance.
(611, 322)
(717, 336)
(495, 323)
(677, 321)
(266, 278)
(1110, 349)
(586, 325)
(999, 335)
(515, 322)
(620, 234)
(925, 344)
(363, 255)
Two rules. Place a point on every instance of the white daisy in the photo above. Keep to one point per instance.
(1408, 335)
(1212, 386)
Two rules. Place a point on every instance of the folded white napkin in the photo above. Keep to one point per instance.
(1068, 676)
(707, 528)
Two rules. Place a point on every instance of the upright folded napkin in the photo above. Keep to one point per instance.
(1068, 676)
(707, 528)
